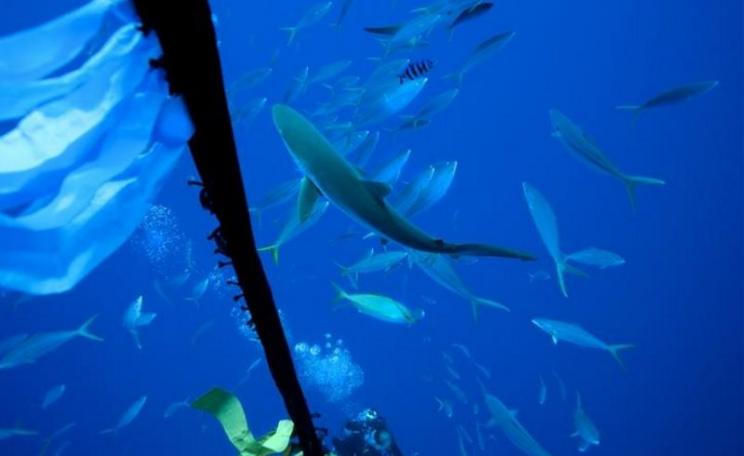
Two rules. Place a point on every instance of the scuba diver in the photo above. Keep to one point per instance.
(366, 435)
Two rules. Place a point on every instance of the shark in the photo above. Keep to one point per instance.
(328, 173)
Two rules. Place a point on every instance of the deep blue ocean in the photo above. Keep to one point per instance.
(678, 298)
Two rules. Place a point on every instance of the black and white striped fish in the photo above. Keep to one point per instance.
(415, 70)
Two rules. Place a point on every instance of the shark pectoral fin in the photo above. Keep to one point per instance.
(306, 199)
(555, 340)
(379, 189)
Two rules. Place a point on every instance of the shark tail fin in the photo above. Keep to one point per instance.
(273, 249)
(476, 303)
(631, 182)
(84, 330)
(615, 352)
(291, 32)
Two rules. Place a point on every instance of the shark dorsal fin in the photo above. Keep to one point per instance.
(379, 189)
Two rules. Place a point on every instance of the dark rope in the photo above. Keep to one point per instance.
(191, 61)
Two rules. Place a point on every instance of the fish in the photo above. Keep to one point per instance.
(483, 370)
(461, 443)
(293, 227)
(389, 172)
(439, 269)
(453, 373)
(298, 86)
(336, 179)
(547, 228)
(587, 150)
(408, 34)
(62, 447)
(596, 257)
(411, 192)
(30, 349)
(345, 7)
(7, 433)
(283, 193)
(542, 394)
(329, 71)
(387, 102)
(435, 189)
(128, 416)
(479, 437)
(201, 330)
(561, 385)
(10, 342)
(175, 407)
(415, 70)
(457, 392)
(481, 52)
(134, 319)
(539, 276)
(506, 420)
(250, 79)
(249, 370)
(438, 103)
(198, 290)
(380, 307)
(364, 151)
(311, 17)
(470, 13)
(445, 407)
(372, 262)
(246, 113)
(53, 395)
(586, 431)
(671, 97)
(575, 334)
(55, 435)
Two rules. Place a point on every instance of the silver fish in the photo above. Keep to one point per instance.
(128, 416)
(575, 334)
(30, 349)
(587, 150)
(672, 96)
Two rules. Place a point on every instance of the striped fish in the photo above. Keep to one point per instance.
(416, 69)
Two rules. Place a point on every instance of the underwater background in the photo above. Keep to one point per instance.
(678, 298)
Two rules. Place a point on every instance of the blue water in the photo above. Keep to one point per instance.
(678, 298)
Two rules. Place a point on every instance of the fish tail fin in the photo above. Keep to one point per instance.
(631, 182)
(257, 212)
(615, 352)
(352, 276)
(476, 303)
(273, 249)
(340, 293)
(291, 32)
(560, 269)
(84, 330)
